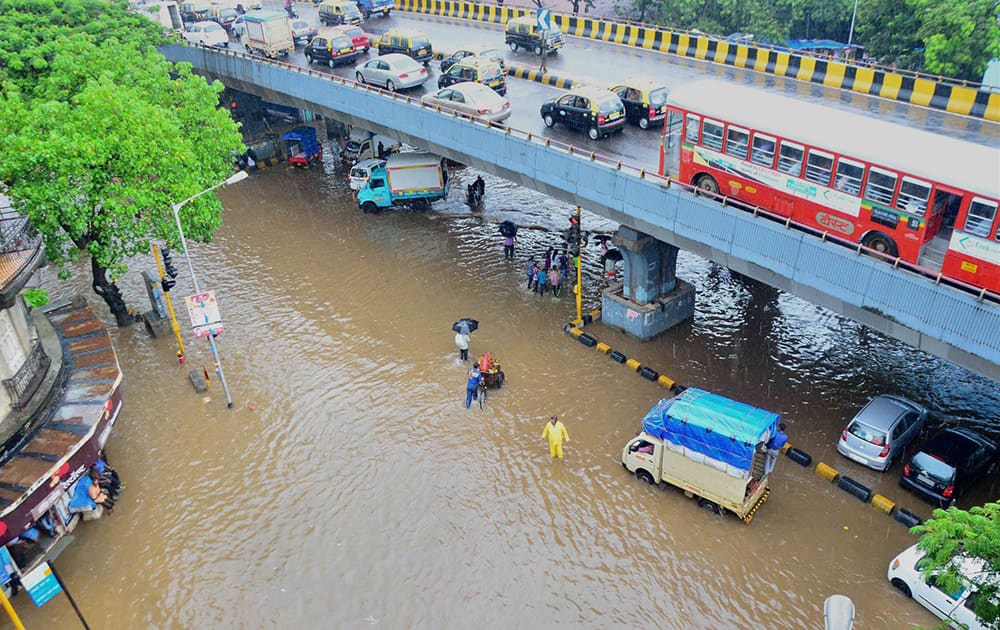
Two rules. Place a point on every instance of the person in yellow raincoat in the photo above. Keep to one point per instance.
(556, 432)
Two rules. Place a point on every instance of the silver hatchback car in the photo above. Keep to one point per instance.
(879, 432)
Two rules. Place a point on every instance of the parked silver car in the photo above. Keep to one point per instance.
(394, 71)
(473, 99)
(876, 436)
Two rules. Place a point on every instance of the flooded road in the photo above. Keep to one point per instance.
(350, 488)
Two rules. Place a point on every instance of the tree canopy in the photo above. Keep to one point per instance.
(100, 134)
(975, 533)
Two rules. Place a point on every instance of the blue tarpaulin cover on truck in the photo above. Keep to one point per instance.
(712, 425)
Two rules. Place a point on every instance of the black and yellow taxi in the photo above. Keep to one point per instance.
(413, 44)
(474, 51)
(587, 108)
(523, 32)
(331, 47)
(477, 70)
(645, 101)
(336, 12)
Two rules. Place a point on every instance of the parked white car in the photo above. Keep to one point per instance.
(207, 34)
(362, 171)
(955, 608)
(394, 71)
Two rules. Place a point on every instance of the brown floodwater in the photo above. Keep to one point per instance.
(349, 487)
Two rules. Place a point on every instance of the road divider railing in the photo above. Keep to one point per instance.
(936, 92)
(865, 494)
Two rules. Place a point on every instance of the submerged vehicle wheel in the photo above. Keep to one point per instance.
(594, 134)
(369, 207)
(549, 120)
(708, 184)
(500, 379)
(902, 586)
(643, 475)
(711, 506)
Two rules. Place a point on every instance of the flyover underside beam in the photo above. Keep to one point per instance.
(938, 319)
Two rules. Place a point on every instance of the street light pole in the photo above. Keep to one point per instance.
(850, 36)
(237, 177)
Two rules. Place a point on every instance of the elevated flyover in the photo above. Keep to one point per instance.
(960, 327)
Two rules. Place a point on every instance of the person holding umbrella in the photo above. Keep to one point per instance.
(463, 328)
(509, 232)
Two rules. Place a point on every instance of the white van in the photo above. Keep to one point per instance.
(955, 608)
(361, 171)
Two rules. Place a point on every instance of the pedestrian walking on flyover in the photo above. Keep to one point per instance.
(557, 434)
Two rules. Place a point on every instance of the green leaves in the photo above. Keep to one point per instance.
(100, 134)
(974, 533)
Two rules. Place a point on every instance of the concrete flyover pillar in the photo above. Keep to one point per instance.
(652, 298)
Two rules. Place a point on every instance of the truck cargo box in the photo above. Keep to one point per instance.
(411, 172)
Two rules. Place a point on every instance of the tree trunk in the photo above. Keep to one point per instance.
(110, 294)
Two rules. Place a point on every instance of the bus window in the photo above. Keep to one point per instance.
(849, 176)
(790, 158)
(881, 185)
(737, 142)
(711, 135)
(981, 215)
(819, 167)
(693, 127)
(763, 150)
(913, 196)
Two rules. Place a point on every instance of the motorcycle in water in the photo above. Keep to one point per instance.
(474, 196)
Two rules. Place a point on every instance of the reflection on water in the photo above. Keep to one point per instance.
(349, 487)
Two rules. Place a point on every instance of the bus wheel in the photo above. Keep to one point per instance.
(708, 184)
(881, 243)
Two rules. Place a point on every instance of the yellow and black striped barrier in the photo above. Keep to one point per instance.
(575, 330)
(938, 94)
(540, 77)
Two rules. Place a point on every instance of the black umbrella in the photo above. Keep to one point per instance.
(601, 238)
(613, 254)
(507, 228)
(465, 326)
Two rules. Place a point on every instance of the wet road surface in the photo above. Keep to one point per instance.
(350, 488)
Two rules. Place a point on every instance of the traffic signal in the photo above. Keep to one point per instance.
(169, 269)
(573, 233)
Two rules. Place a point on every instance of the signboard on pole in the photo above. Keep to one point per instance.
(543, 18)
(41, 584)
(204, 312)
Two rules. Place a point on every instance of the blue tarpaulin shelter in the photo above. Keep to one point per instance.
(712, 425)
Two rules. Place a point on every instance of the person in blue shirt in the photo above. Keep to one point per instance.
(774, 446)
(472, 386)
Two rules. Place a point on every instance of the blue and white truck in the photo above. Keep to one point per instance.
(709, 446)
(367, 7)
(414, 180)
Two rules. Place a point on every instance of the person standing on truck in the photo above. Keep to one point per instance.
(774, 446)
(557, 434)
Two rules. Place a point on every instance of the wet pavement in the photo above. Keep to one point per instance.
(350, 488)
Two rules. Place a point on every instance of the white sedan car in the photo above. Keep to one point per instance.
(207, 34)
(955, 608)
(394, 71)
(472, 99)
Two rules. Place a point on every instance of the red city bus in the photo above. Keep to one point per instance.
(928, 199)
